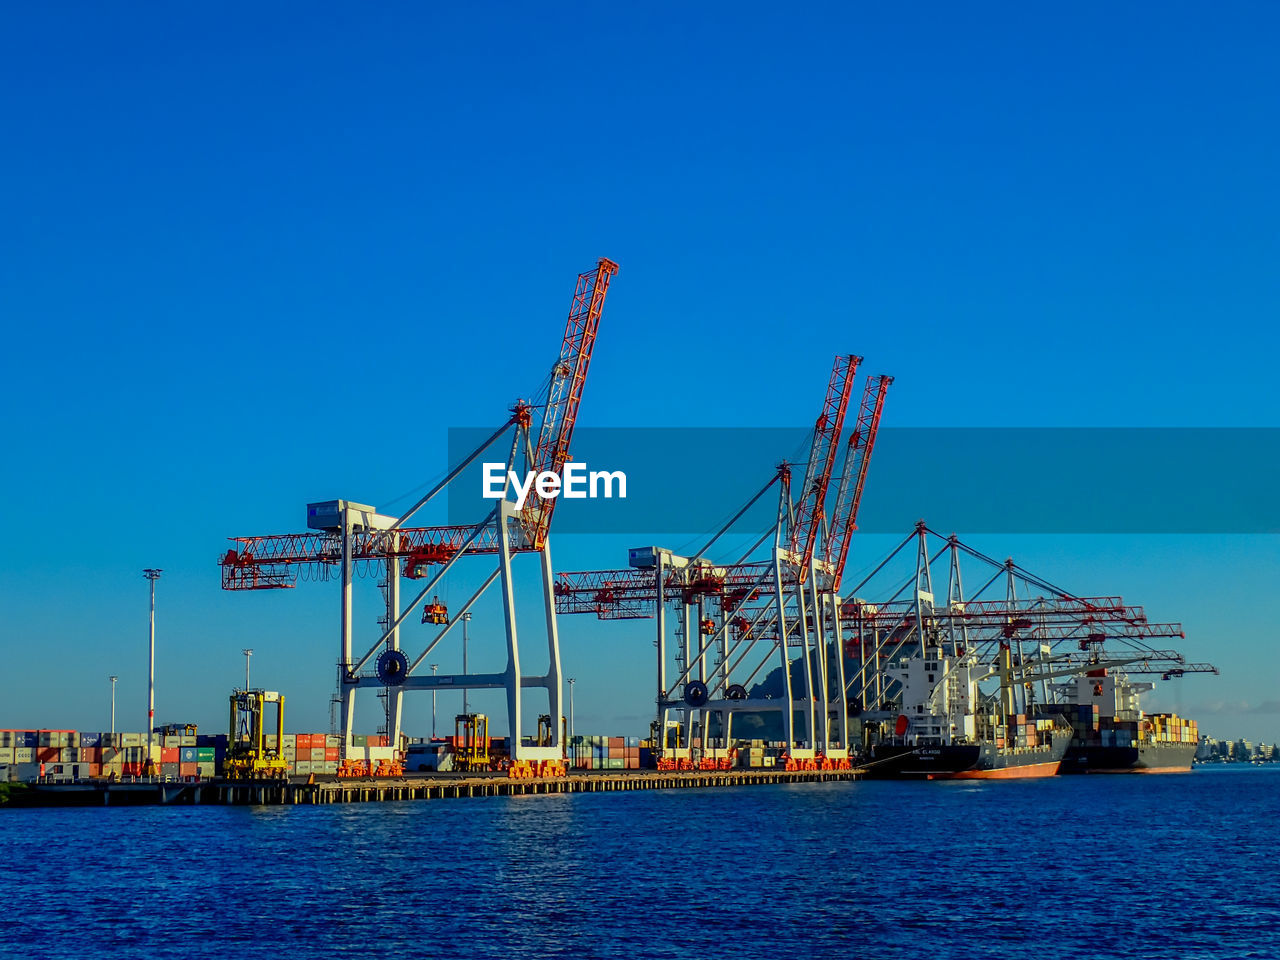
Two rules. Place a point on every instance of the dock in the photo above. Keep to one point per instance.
(420, 787)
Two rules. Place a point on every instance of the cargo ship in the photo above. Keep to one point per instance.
(948, 730)
(1110, 733)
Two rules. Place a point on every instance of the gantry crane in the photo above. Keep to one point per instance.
(732, 611)
(343, 533)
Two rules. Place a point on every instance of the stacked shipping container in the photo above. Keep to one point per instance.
(604, 753)
(82, 755)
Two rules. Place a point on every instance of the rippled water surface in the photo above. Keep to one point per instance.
(1089, 867)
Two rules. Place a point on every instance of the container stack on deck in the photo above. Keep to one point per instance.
(1171, 728)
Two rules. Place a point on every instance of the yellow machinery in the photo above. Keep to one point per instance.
(177, 730)
(435, 612)
(544, 731)
(248, 756)
(654, 740)
(471, 742)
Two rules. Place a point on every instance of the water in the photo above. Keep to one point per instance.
(1090, 867)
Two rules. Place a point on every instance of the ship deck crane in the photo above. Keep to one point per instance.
(1066, 632)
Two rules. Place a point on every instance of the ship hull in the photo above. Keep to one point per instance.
(1142, 758)
(968, 761)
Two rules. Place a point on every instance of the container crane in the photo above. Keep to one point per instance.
(343, 533)
(733, 610)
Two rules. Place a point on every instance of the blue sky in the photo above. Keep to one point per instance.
(255, 258)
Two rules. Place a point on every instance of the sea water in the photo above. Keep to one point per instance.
(1167, 866)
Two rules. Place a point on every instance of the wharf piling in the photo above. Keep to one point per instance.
(417, 787)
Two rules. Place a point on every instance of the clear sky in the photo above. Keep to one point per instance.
(251, 258)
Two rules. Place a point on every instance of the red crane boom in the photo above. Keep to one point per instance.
(853, 475)
(565, 392)
(822, 452)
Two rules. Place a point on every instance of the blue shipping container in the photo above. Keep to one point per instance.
(90, 739)
(188, 755)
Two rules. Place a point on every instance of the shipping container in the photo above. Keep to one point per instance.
(317, 755)
(188, 769)
(188, 755)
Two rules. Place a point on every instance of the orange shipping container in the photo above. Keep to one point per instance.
(188, 769)
(331, 753)
(169, 754)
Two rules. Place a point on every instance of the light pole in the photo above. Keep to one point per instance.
(434, 667)
(466, 622)
(113, 704)
(572, 681)
(152, 574)
(248, 652)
